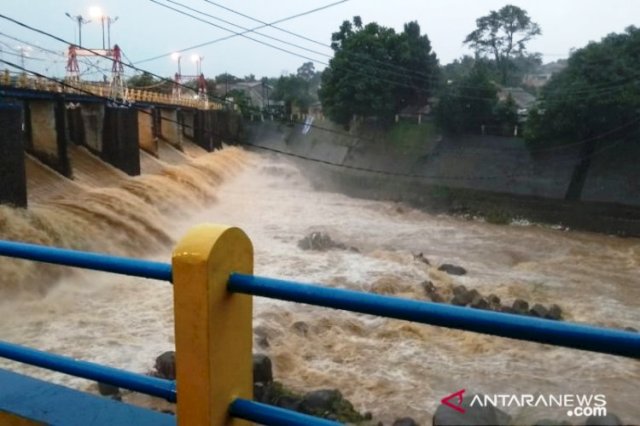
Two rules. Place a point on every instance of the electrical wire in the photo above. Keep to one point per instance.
(279, 21)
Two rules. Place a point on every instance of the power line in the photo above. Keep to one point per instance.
(288, 18)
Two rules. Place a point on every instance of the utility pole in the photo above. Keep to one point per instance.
(81, 21)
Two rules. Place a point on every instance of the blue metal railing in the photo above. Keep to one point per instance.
(571, 335)
(87, 260)
(88, 370)
(609, 341)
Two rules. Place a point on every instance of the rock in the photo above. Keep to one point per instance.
(538, 311)
(520, 307)
(320, 401)
(263, 342)
(462, 297)
(405, 421)
(322, 242)
(631, 329)
(420, 258)
(459, 289)
(472, 416)
(554, 312)
(301, 328)
(166, 365)
(437, 298)
(452, 269)
(479, 302)
(108, 390)
(609, 420)
(428, 287)
(262, 371)
(494, 301)
(506, 309)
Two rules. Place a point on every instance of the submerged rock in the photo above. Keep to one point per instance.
(405, 421)
(554, 312)
(520, 307)
(539, 311)
(321, 241)
(609, 420)
(452, 269)
(262, 370)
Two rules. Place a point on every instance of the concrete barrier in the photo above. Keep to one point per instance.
(13, 189)
(170, 127)
(146, 134)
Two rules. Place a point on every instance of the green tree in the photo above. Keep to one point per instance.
(468, 103)
(375, 72)
(142, 81)
(306, 71)
(597, 93)
(293, 90)
(503, 35)
(593, 102)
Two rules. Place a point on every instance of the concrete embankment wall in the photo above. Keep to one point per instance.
(469, 174)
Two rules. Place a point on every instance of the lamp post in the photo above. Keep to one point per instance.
(197, 59)
(81, 21)
(110, 21)
(96, 13)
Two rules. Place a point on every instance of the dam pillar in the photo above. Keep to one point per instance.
(146, 134)
(170, 127)
(202, 129)
(120, 146)
(46, 128)
(187, 120)
(217, 123)
(13, 179)
(92, 117)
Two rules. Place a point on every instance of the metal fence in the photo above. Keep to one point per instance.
(212, 274)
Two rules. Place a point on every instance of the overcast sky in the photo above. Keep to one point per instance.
(145, 29)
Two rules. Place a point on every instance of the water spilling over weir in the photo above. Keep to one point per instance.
(389, 367)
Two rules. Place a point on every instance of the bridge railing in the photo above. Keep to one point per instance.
(22, 80)
(213, 285)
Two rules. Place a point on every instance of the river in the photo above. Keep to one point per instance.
(391, 368)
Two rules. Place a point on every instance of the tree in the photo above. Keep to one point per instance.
(467, 104)
(593, 102)
(376, 72)
(596, 93)
(293, 90)
(306, 71)
(503, 34)
(141, 81)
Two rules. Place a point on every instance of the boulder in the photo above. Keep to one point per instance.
(462, 296)
(538, 311)
(479, 302)
(108, 390)
(166, 365)
(262, 371)
(472, 416)
(631, 329)
(322, 242)
(520, 307)
(428, 287)
(459, 289)
(609, 420)
(405, 421)
(320, 401)
(494, 301)
(452, 269)
(554, 312)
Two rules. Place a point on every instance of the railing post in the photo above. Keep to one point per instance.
(213, 328)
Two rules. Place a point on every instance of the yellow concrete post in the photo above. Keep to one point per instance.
(213, 328)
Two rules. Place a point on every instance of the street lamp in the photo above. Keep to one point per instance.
(177, 57)
(110, 21)
(197, 59)
(80, 20)
(96, 13)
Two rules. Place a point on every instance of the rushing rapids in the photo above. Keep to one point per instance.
(391, 368)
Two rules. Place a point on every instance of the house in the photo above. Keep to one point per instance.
(543, 74)
(524, 100)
